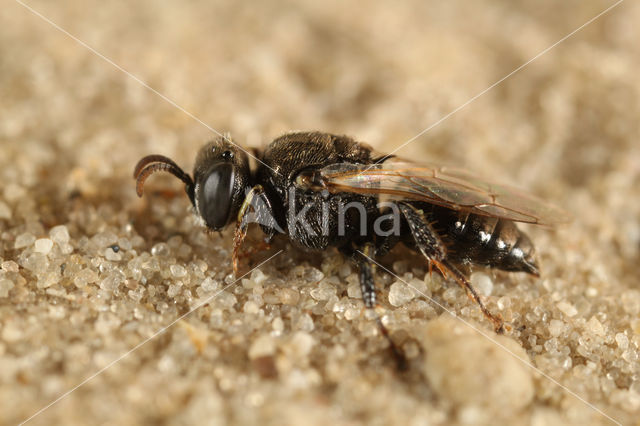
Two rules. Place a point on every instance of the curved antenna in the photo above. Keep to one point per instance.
(155, 163)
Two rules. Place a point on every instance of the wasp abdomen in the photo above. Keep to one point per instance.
(490, 241)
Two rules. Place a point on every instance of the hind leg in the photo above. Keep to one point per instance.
(432, 247)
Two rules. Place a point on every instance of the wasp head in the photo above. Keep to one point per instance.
(220, 178)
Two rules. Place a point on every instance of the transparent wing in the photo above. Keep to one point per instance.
(443, 186)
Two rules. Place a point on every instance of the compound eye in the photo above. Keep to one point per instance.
(215, 196)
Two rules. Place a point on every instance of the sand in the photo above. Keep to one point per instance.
(117, 310)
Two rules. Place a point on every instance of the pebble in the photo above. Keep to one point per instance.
(258, 277)
(473, 372)
(111, 282)
(104, 239)
(289, 296)
(305, 323)
(419, 288)
(36, 263)
(622, 340)
(59, 234)
(278, 325)
(354, 291)
(482, 283)
(209, 284)
(264, 345)
(43, 245)
(504, 302)
(595, 326)
(251, 307)
(10, 266)
(631, 302)
(107, 322)
(5, 211)
(48, 279)
(225, 299)
(300, 345)
(111, 255)
(556, 327)
(24, 240)
(323, 292)
(178, 271)
(345, 270)
(84, 277)
(400, 293)
(161, 249)
(567, 309)
(11, 332)
(313, 275)
(13, 192)
(630, 356)
(174, 290)
(5, 286)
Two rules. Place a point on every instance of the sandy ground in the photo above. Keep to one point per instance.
(90, 273)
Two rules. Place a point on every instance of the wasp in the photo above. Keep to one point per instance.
(323, 190)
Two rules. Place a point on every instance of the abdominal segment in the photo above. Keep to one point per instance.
(483, 240)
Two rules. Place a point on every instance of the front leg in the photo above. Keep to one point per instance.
(256, 208)
(432, 247)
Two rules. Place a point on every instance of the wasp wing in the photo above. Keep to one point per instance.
(443, 186)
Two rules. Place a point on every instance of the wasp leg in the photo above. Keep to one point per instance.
(432, 247)
(256, 202)
(368, 288)
(367, 270)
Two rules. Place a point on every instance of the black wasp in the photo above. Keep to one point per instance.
(323, 190)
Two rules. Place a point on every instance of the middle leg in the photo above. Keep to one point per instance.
(363, 257)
